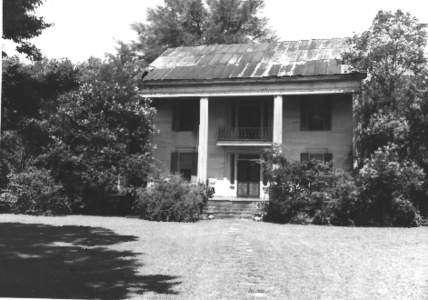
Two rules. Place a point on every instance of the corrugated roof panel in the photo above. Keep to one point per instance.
(290, 58)
(274, 70)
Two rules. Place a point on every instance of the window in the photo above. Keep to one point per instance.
(315, 113)
(184, 163)
(320, 156)
(185, 115)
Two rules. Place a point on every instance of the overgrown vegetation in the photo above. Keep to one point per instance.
(384, 192)
(172, 199)
(34, 191)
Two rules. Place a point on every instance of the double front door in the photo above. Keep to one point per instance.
(248, 176)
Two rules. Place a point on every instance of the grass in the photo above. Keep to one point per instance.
(113, 257)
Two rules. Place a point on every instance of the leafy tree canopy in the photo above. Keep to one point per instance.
(394, 94)
(19, 25)
(195, 22)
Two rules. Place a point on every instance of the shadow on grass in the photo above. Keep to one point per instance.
(47, 261)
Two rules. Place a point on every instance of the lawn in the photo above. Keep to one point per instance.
(113, 257)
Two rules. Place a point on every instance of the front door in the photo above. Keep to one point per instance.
(248, 176)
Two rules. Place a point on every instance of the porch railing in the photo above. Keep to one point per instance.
(245, 133)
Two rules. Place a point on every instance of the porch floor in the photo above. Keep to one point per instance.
(238, 199)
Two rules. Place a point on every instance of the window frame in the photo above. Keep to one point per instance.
(327, 156)
(180, 108)
(310, 106)
(175, 162)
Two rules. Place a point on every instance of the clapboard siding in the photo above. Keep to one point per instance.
(167, 140)
(338, 140)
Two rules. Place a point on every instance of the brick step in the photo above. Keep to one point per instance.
(239, 209)
(230, 216)
(231, 207)
(232, 204)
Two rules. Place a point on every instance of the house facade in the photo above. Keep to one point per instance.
(220, 106)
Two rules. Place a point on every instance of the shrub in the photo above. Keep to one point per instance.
(34, 191)
(389, 188)
(171, 199)
(298, 190)
(345, 207)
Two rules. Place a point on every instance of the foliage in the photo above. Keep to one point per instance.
(393, 105)
(29, 97)
(19, 25)
(385, 192)
(392, 54)
(298, 191)
(194, 22)
(30, 90)
(34, 191)
(171, 199)
(390, 187)
(101, 134)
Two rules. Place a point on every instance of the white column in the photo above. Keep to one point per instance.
(277, 119)
(203, 140)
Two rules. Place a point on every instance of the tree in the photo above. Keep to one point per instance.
(29, 95)
(30, 90)
(392, 54)
(192, 22)
(19, 25)
(392, 110)
(101, 133)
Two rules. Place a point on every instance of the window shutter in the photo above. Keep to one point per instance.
(232, 168)
(195, 164)
(175, 117)
(304, 156)
(328, 109)
(328, 157)
(303, 115)
(174, 162)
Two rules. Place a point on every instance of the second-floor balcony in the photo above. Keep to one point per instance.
(245, 135)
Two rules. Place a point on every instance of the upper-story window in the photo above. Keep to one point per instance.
(315, 113)
(185, 115)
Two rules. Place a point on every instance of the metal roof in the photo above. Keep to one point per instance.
(267, 60)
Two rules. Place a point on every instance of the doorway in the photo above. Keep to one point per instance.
(248, 177)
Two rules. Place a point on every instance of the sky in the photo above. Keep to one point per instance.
(84, 28)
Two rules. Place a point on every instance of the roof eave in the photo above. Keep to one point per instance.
(250, 80)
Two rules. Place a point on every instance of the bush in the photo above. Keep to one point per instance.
(345, 207)
(34, 191)
(298, 190)
(385, 192)
(171, 199)
(389, 188)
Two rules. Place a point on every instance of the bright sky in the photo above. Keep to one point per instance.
(84, 28)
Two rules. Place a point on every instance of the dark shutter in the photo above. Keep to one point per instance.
(233, 115)
(304, 156)
(328, 114)
(174, 162)
(328, 157)
(195, 116)
(304, 115)
(195, 164)
(232, 168)
(175, 116)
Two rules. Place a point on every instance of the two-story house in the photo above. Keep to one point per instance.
(219, 107)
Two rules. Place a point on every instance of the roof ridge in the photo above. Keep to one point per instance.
(262, 43)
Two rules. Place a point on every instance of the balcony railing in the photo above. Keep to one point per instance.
(245, 134)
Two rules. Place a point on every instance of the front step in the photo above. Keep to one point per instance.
(239, 209)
